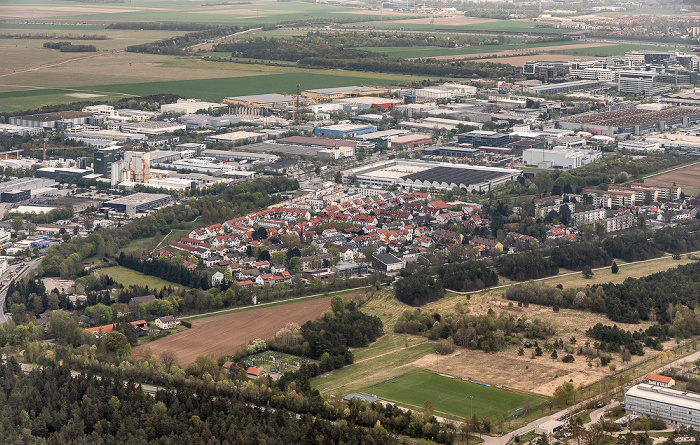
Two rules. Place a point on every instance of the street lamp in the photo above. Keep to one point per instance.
(471, 407)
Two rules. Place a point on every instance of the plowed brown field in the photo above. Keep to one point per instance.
(229, 333)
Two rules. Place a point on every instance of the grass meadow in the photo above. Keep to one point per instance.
(128, 277)
(451, 397)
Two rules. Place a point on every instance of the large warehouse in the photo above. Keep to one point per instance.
(417, 175)
(138, 202)
(673, 406)
(633, 121)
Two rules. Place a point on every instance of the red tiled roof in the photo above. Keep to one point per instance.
(658, 378)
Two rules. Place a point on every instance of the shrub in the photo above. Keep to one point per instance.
(568, 358)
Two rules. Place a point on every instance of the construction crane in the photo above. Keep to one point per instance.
(66, 147)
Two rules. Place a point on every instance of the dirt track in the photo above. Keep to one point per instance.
(228, 333)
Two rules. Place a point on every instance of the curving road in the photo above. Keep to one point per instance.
(3, 293)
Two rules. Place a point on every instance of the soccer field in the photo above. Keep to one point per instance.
(451, 396)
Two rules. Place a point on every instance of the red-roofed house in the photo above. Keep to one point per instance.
(660, 380)
(440, 205)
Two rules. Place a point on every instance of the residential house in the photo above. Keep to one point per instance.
(167, 322)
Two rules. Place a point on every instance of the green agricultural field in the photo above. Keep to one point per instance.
(613, 50)
(435, 51)
(128, 277)
(184, 11)
(208, 89)
(451, 397)
(495, 26)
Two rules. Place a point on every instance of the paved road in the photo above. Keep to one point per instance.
(33, 264)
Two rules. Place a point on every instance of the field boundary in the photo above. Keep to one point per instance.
(670, 170)
(271, 303)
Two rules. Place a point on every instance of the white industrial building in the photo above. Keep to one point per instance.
(189, 106)
(544, 158)
(673, 406)
(638, 145)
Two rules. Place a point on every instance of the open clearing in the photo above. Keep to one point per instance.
(450, 397)
(129, 277)
(229, 333)
(392, 353)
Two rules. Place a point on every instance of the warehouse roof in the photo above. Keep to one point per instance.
(138, 198)
(57, 116)
(312, 141)
(452, 175)
(632, 117)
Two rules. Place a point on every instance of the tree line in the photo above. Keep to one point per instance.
(659, 296)
(49, 405)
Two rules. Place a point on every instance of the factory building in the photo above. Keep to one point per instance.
(417, 175)
(60, 120)
(559, 158)
(138, 202)
(673, 406)
(340, 92)
(564, 87)
(189, 106)
(345, 130)
(635, 121)
(237, 137)
(479, 138)
(238, 156)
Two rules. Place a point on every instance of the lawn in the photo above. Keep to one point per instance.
(129, 277)
(450, 396)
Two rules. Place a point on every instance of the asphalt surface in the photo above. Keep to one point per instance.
(33, 264)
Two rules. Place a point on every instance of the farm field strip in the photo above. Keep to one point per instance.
(231, 332)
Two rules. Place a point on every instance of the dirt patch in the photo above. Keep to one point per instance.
(228, 333)
(685, 176)
(84, 95)
(540, 374)
(57, 283)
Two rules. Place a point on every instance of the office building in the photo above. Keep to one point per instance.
(104, 158)
(479, 138)
(673, 406)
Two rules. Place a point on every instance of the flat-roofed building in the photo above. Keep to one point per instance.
(138, 202)
(59, 119)
(340, 92)
(237, 137)
(480, 138)
(225, 155)
(673, 406)
(345, 130)
(190, 106)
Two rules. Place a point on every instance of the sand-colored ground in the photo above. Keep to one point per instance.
(229, 333)
(509, 369)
